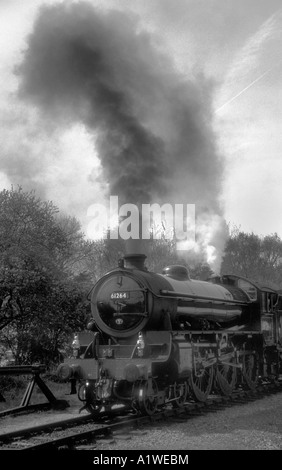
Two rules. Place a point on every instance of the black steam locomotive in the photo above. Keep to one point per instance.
(163, 338)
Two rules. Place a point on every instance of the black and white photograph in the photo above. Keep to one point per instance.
(140, 230)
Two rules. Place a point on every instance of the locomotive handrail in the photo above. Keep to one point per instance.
(138, 314)
(92, 347)
(173, 294)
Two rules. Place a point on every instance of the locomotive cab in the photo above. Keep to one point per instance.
(265, 311)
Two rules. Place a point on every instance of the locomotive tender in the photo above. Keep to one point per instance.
(163, 338)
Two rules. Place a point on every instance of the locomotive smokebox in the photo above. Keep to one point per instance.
(135, 261)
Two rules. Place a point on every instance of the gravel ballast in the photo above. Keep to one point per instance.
(252, 426)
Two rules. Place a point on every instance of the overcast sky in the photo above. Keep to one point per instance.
(235, 44)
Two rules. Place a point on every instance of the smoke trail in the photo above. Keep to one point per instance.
(69, 71)
(153, 128)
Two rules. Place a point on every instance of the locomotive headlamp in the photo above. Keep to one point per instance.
(140, 345)
(75, 345)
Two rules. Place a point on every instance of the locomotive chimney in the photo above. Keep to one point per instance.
(135, 261)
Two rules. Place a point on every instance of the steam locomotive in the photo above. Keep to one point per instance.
(164, 338)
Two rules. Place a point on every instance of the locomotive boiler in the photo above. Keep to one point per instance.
(164, 338)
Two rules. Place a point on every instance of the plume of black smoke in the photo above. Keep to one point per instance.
(155, 139)
(71, 70)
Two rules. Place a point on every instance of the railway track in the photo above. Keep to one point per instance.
(83, 432)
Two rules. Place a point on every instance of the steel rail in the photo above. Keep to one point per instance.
(190, 409)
